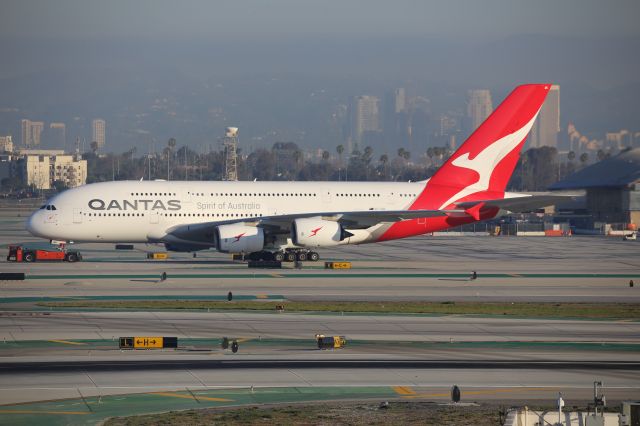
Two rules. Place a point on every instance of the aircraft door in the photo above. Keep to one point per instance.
(154, 218)
(77, 215)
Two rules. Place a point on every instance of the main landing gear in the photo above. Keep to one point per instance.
(290, 255)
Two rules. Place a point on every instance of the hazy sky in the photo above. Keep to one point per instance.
(292, 18)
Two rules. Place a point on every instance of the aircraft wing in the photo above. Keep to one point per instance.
(352, 219)
(518, 203)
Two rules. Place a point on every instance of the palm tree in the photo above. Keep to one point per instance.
(368, 151)
(384, 159)
(401, 152)
(571, 155)
(171, 144)
(430, 155)
(340, 150)
(584, 157)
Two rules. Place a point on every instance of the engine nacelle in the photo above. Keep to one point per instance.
(239, 238)
(316, 232)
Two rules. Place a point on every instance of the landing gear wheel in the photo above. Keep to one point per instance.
(302, 256)
(72, 257)
(29, 257)
(256, 255)
(290, 256)
(278, 256)
(313, 256)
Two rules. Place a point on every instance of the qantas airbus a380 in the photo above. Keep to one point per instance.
(285, 220)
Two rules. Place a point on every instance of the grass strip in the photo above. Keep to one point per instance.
(622, 311)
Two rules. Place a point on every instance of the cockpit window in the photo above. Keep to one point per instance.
(48, 207)
(43, 207)
(53, 207)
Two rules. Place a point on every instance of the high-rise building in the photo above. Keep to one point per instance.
(36, 132)
(365, 117)
(6, 144)
(26, 133)
(479, 107)
(400, 100)
(98, 135)
(547, 126)
(31, 133)
(394, 123)
(57, 137)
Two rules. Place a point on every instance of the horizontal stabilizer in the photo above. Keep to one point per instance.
(517, 203)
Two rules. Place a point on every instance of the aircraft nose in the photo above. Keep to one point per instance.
(35, 224)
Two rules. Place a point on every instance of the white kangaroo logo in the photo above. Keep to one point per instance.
(486, 161)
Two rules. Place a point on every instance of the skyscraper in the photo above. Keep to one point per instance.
(479, 107)
(394, 122)
(31, 133)
(98, 135)
(26, 132)
(57, 136)
(547, 126)
(364, 117)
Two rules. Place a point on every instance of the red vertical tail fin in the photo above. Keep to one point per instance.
(482, 166)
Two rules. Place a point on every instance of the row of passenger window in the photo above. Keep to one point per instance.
(159, 194)
(176, 214)
(259, 194)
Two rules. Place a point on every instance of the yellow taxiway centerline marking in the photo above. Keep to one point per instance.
(42, 412)
(515, 275)
(205, 398)
(277, 275)
(67, 342)
(404, 390)
(262, 296)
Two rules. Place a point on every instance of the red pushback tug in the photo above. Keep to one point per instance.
(25, 254)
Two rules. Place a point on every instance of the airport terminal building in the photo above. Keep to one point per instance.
(612, 188)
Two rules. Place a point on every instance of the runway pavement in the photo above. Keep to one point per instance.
(415, 328)
(437, 351)
(587, 269)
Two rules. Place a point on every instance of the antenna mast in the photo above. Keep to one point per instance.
(230, 144)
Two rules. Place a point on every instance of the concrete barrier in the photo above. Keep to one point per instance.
(12, 276)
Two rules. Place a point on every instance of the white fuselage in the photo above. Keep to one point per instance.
(140, 212)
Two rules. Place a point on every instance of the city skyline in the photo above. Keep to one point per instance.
(419, 59)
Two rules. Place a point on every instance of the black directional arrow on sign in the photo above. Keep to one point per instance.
(139, 342)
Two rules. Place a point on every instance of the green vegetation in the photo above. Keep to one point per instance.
(364, 413)
(629, 311)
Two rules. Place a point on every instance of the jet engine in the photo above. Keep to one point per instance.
(316, 232)
(239, 238)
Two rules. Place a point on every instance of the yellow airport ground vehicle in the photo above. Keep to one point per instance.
(158, 256)
(337, 265)
(330, 342)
